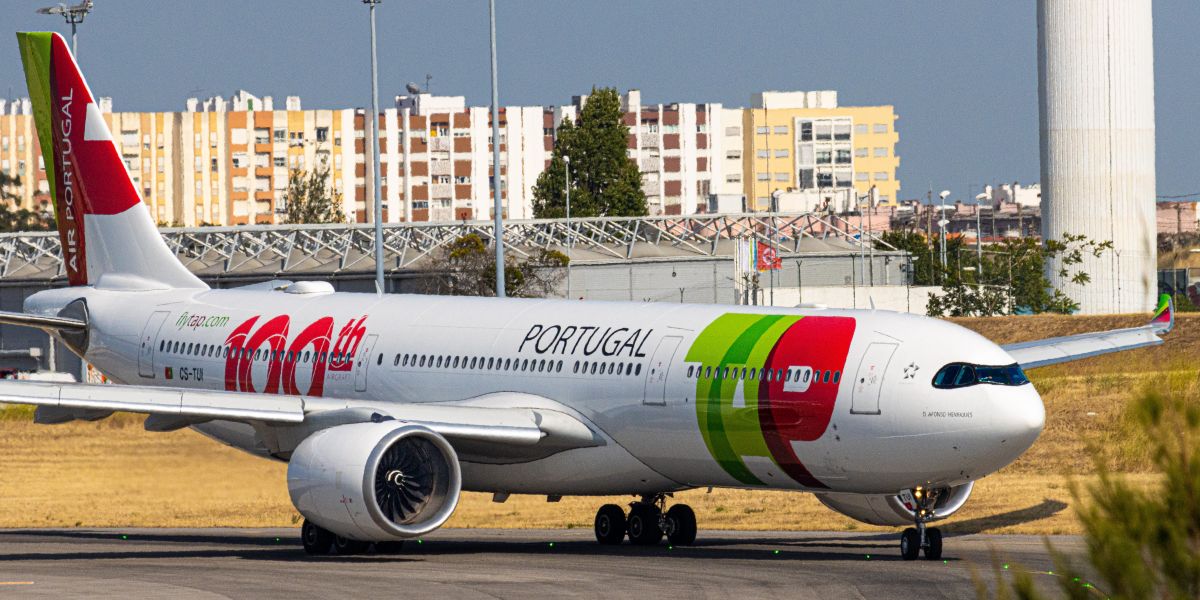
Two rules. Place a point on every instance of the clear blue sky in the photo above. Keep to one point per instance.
(961, 73)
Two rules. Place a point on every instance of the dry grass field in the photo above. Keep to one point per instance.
(113, 474)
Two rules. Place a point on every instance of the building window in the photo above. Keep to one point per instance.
(734, 155)
(733, 179)
(262, 136)
(881, 128)
(860, 128)
(733, 131)
(214, 165)
(806, 131)
(762, 130)
(841, 130)
(862, 177)
(781, 154)
(763, 177)
(860, 152)
(280, 135)
(782, 177)
(781, 130)
(884, 198)
(843, 156)
(881, 176)
(881, 152)
(763, 153)
(279, 161)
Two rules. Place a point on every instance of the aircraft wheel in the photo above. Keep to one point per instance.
(346, 546)
(933, 540)
(316, 539)
(910, 544)
(643, 524)
(681, 522)
(395, 547)
(610, 524)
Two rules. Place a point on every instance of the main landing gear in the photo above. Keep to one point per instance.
(916, 539)
(647, 523)
(318, 541)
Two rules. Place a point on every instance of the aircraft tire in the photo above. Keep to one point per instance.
(610, 525)
(910, 544)
(347, 547)
(389, 547)
(643, 525)
(683, 525)
(317, 540)
(933, 536)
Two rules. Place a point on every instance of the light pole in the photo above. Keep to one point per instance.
(570, 236)
(497, 205)
(74, 16)
(376, 183)
(942, 222)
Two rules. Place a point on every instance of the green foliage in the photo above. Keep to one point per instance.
(311, 200)
(19, 219)
(470, 270)
(1010, 277)
(1143, 543)
(604, 180)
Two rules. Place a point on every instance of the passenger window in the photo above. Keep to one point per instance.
(690, 368)
(708, 372)
(825, 378)
(639, 369)
(837, 376)
(594, 365)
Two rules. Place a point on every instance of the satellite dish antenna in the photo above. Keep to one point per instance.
(413, 88)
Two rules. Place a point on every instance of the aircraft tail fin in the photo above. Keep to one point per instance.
(102, 223)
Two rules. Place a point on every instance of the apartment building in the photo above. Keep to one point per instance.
(805, 141)
(228, 161)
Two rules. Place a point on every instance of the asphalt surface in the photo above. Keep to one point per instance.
(262, 563)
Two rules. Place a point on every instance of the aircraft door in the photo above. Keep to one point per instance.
(868, 382)
(656, 375)
(149, 336)
(362, 363)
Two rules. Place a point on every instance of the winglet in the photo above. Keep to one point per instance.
(1164, 315)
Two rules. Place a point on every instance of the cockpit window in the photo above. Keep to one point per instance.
(958, 375)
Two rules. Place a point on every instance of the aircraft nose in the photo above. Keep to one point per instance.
(1020, 415)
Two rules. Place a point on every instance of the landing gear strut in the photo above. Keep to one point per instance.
(916, 539)
(647, 523)
(319, 541)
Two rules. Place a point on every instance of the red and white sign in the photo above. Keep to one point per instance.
(768, 259)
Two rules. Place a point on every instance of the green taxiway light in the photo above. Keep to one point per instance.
(776, 552)
(868, 557)
(1005, 566)
(124, 537)
(551, 544)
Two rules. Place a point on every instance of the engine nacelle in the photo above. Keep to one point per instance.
(375, 481)
(891, 509)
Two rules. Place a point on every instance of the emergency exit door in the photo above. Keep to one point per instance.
(149, 339)
(362, 364)
(868, 382)
(659, 368)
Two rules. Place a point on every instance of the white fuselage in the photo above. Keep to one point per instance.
(678, 391)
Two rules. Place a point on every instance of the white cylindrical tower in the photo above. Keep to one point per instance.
(1096, 100)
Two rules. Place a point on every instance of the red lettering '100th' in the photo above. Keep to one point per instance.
(282, 358)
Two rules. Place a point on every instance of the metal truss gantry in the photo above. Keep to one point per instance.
(308, 250)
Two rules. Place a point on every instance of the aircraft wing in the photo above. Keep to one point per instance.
(1051, 351)
(497, 425)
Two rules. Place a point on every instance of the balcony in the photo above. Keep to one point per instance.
(440, 144)
(441, 190)
(650, 140)
(440, 167)
(649, 164)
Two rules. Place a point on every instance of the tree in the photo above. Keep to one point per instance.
(311, 200)
(1011, 276)
(19, 219)
(467, 267)
(604, 180)
(1143, 542)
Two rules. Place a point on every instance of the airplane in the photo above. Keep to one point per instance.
(386, 407)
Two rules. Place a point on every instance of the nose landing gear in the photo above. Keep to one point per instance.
(647, 523)
(916, 539)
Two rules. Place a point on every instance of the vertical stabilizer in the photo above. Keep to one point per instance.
(102, 223)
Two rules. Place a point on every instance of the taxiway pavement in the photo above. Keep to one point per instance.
(496, 563)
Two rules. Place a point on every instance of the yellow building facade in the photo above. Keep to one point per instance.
(804, 142)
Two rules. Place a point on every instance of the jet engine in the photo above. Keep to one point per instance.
(375, 481)
(899, 509)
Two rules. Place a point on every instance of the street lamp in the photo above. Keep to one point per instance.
(942, 222)
(73, 14)
(496, 203)
(376, 184)
(570, 236)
